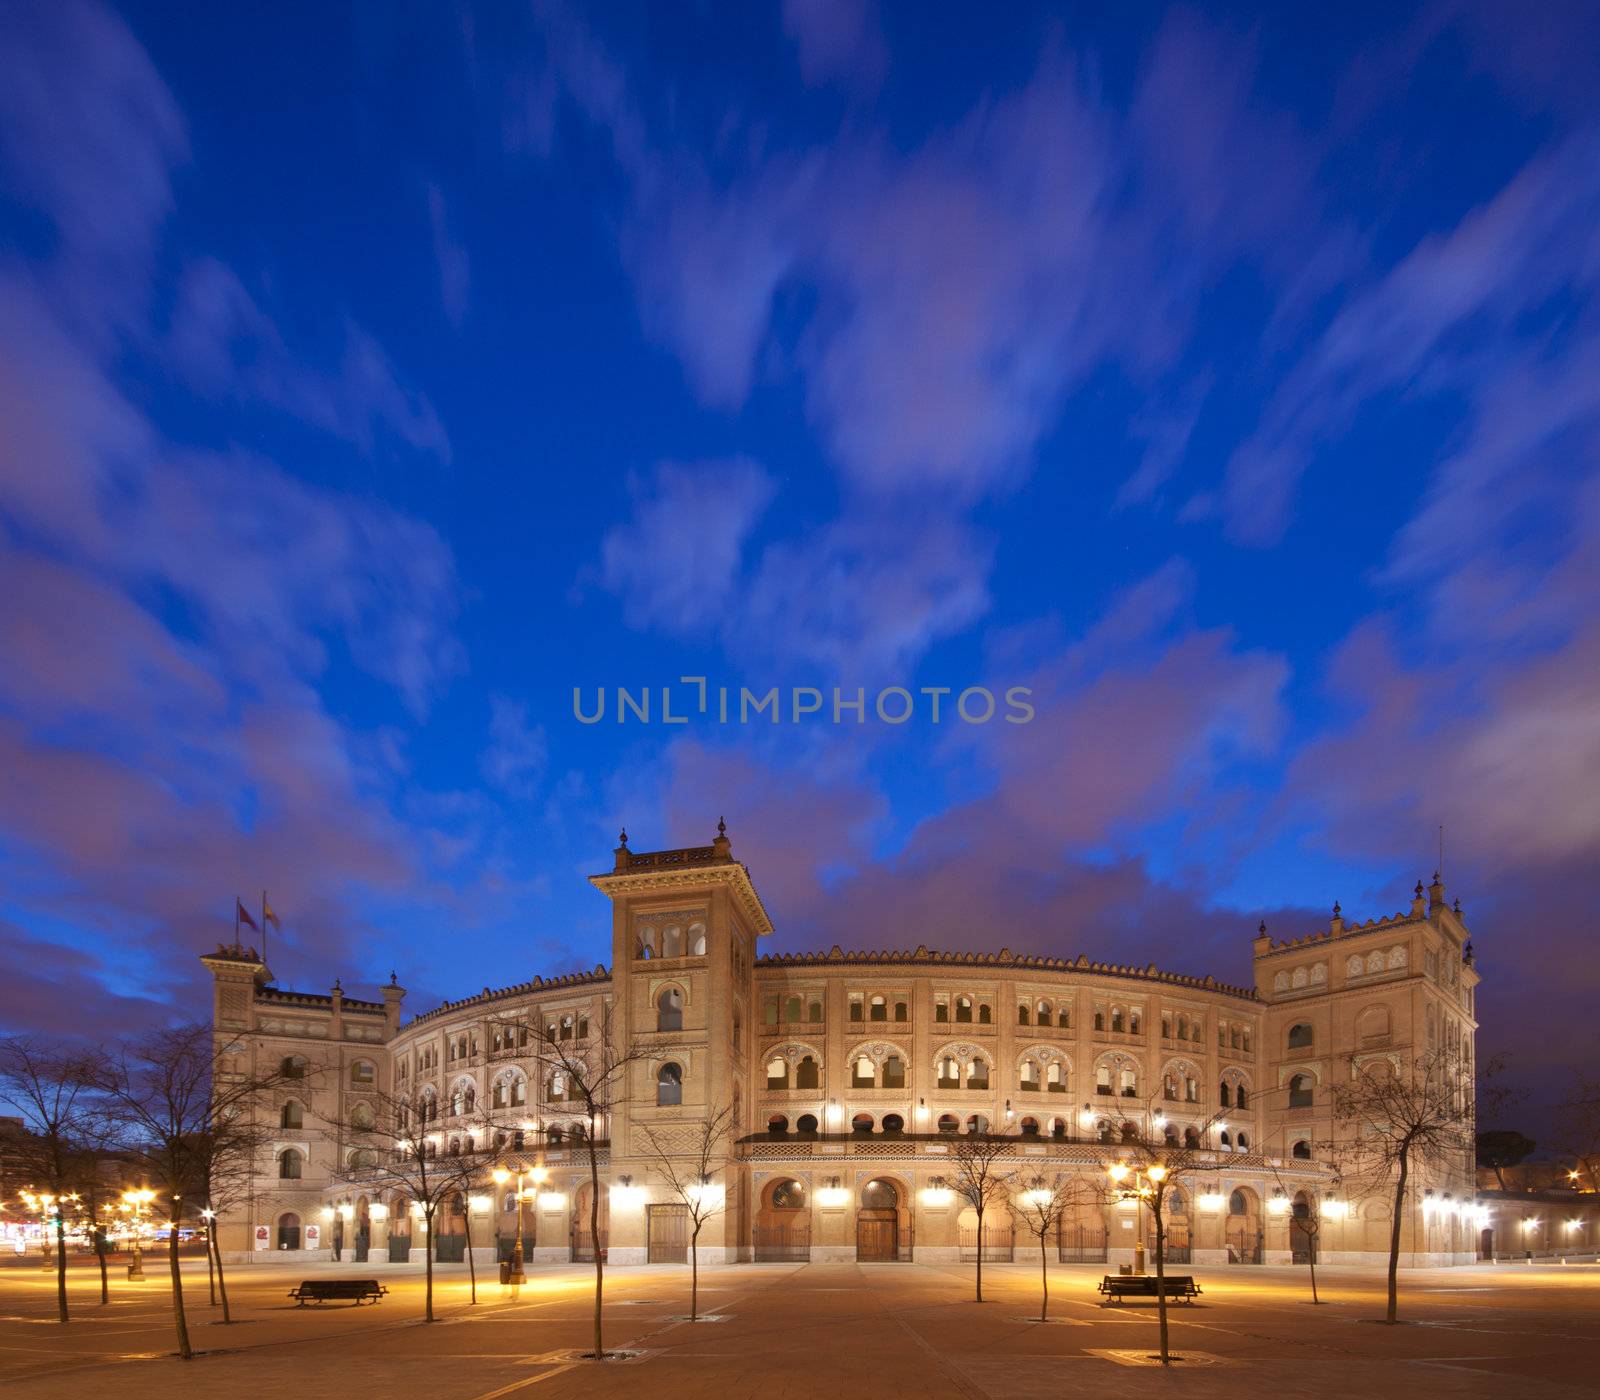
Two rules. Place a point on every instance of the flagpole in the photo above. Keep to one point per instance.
(236, 921)
(263, 926)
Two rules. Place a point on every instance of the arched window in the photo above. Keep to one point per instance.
(1240, 1096)
(1301, 1036)
(1029, 1127)
(555, 1088)
(777, 1125)
(1301, 1150)
(806, 1125)
(878, 1009)
(1130, 1133)
(777, 1073)
(1058, 1129)
(288, 1230)
(1041, 1013)
(1102, 1079)
(293, 1067)
(1225, 1141)
(963, 1008)
(1064, 1017)
(894, 1073)
(985, 1016)
(1191, 1138)
(789, 1195)
(363, 1072)
(977, 1074)
(1028, 1077)
(1129, 1082)
(1225, 1095)
(669, 1010)
(949, 1073)
(977, 1125)
(669, 1084)
(1118, 1023)
(1024, 1017)
(1300, 1093)
(948, 1123)
(672, 942)
(289, 1165)
(861, 1125)
(1052, 1079)
(807, 1074)
(1242, 1142)
(697, 940)
(1238, 1203)
(361, 1117)
(293, 1116)
(791, 1009)
(902, 1012)
(863, 1073)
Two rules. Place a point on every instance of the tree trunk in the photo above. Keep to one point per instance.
(222, 1281)
(694, 1273)
(100, 1252)
(472, 1268)
(61, 1264)
(1161, 1287)
(427, 1258)
(178, 1317)
(211, 1272)
(1394, 1237)
(979, 1275)
(1311, 1259)
(1044, 1280)
(594, 1235)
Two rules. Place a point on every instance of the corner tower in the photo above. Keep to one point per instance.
(684, 929)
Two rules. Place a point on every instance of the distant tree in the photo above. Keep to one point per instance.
(1399, 1121)
(49, 1086)
(180, 1109)
(689, 1175)
(1578, 1126)
(980, 1181)
(1499, 1148)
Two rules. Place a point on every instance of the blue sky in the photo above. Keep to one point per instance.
(373, 379)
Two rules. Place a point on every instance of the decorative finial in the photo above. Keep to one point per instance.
(1261, 927)
(622, 840)
(1418, 890)
(1458, 905)
(1436, 877)
(722, 827)
(336, 986)
(394, 980)
(1336, 909)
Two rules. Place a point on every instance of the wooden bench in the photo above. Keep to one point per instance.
(1116, 1287)
(324, 1290)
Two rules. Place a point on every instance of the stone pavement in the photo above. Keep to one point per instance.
(837, 1332)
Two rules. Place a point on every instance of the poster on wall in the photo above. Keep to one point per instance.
(313, 1236)
(263, 1237)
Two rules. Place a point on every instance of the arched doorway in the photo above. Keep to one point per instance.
(399, 1230)
(583, 1240)
(288, 1230)
(783, 1223)
(880, 1238)
(363, 1229)
(1177, 1249)
(1244, 1233)
(1302, 1231)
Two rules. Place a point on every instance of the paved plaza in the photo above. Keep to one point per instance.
(837, 1331)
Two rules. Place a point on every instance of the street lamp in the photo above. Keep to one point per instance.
(1137, 1184)
(137, 1201)
(513, 1275)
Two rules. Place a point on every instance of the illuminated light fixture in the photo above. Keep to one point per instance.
(379, 1211)
(327, 1212)
(1156, 1172)
(479, 1205)
(1529, 1224)
(1278, 1205)
(1335, 1210)
(625, 1193)
(1211, 1200)
(552, 1200)
(1118, 1171)
(347, 1212)
(833, 1195)
(936, 1193)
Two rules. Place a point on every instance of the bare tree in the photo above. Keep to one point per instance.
(1040, 1208)
(978, 1179)
(180, 1107)
(689, 1175)
(1416, 1118)
(387, 1143)
(1155, 1161)
(594, 1078)
(49, 1087)
(1309, 1222)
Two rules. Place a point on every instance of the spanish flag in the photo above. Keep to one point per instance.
(268, 915)
(243, 914)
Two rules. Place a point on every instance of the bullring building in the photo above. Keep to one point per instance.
(850, 1077)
